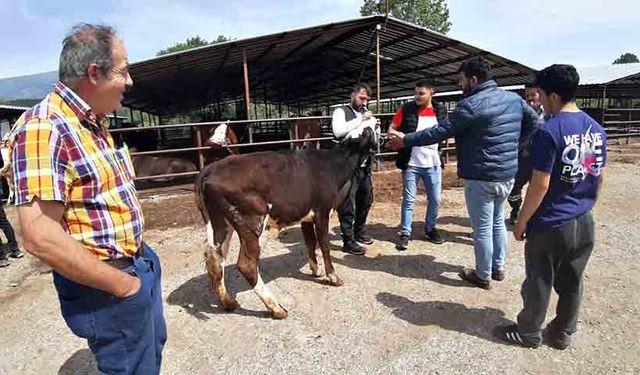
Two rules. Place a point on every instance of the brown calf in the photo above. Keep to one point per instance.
(245, 192)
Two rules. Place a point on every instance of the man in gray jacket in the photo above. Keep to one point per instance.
(487, 126)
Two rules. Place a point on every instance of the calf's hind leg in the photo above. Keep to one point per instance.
(248, 266)
(309, 233)
(218, 239)
(321, 221)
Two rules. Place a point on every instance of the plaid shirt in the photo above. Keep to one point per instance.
(61, 152)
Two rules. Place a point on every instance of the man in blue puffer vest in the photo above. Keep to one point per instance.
(488, 125)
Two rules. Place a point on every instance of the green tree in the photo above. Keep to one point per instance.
(192, 43)
(221, 39)
(627, 58)
(21, 102)
(432, 14)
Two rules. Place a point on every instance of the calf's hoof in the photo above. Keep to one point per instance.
(280, 313)
(335, 280)
(229, 304)
(317, 273)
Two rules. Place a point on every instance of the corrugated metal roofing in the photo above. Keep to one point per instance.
(620, 81)
(13, 107)
(11, 112)
(609, 74)
(312, 65)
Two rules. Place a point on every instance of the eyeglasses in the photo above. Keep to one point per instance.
(123, 72)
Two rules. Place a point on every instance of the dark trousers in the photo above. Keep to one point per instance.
(6, 227)
(126, 335)
(555, 259)
(355, 208)
(522, 178)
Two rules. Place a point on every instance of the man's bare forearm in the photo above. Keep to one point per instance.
(45, 239)
(393, 130)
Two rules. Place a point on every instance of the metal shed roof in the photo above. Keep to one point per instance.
(311, 65)
(606, 74)
(9, 112)
(620, 80)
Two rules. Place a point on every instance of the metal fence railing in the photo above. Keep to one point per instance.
(447, 147)
(200, 148)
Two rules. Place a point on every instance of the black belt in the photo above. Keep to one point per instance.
(124, 262)
(120, 263)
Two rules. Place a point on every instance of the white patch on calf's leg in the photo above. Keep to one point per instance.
(262, 239)
(224, 250)
(309, 217)
(224, 246)
(268, 299)
(315, 269)
(210, 235)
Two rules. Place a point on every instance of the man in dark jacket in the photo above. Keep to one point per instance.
(532, 96)
(487, 127)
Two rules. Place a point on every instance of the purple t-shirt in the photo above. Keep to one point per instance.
(573, 148)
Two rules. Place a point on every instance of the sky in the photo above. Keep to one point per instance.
(535, 33)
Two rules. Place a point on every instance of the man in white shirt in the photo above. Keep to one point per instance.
(353, 212)
(421, 162)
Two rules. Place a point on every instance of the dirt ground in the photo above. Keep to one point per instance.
(397, 312)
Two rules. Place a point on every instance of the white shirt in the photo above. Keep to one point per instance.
(339, 124)
(425, 156)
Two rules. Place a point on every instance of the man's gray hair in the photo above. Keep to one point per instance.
(86, 44)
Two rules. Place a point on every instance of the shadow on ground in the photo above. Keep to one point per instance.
(446, 315)
(197, 298)
(81, 362)
(420, 266)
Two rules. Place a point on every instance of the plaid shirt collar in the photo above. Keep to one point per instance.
(80, 107)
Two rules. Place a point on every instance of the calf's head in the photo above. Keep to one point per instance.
(363, 139)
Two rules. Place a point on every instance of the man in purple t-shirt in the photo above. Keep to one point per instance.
(568, 155)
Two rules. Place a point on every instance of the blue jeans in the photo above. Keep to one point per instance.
(432, 180)
(485, 203)
(126, 335)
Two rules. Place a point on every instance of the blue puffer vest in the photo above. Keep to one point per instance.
(488, 148)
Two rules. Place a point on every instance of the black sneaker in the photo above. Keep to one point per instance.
(513, 218)
(4, 262)
(16, 253)
(555, 339)
(354, 248)
(403, 242)
(434, 236)
(510, 334)
(364, 239)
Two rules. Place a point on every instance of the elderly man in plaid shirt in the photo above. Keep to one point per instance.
(78, 208)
